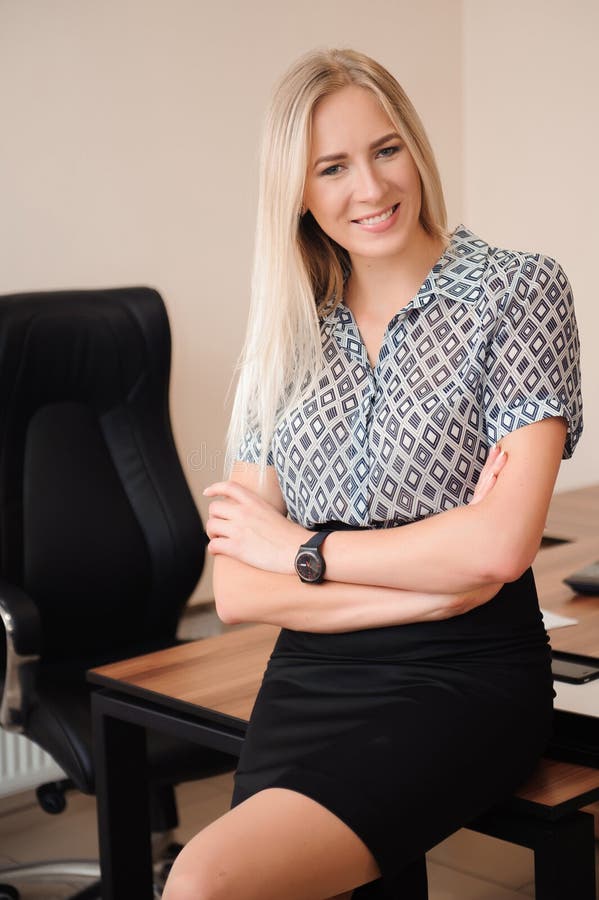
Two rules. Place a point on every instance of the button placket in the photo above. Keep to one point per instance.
(395, 334)
(349, 342)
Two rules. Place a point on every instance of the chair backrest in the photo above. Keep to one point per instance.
(97, 523)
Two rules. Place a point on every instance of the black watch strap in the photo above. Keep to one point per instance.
(316, 540)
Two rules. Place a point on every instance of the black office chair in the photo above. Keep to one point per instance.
(101, 544)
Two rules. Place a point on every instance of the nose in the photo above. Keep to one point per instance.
(368, 184)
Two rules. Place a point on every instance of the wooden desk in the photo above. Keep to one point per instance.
(204, 692)
(201, 691)
(551, 566)
(574, 515)
(235, 662)
(574, 518)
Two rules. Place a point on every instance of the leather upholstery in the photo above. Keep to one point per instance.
(97, 524)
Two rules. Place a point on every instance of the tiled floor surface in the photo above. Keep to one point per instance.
(467, 866)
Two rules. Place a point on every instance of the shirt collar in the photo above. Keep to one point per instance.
(457, 275)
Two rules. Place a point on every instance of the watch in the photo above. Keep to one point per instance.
(309, 563)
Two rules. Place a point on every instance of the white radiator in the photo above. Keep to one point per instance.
(23, 765)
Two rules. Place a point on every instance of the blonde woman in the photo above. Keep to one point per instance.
(386, 360)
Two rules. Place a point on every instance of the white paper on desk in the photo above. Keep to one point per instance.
(552, 620)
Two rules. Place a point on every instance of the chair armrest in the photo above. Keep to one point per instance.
(21, 621)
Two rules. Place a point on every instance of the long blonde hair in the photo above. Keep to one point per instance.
(298, 270)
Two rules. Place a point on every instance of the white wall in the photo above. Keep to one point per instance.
(128, 148)
(531, 132)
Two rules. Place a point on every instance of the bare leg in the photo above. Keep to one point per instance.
(276, 844)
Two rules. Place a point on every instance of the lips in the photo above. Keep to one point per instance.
(378, 217)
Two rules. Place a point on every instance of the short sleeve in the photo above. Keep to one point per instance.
(532, 369)
(251, 447)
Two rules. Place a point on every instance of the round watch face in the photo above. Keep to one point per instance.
(309, 565)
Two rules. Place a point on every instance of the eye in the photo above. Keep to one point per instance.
(387, 152)
(331, 170)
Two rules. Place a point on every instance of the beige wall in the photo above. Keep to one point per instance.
(531, 176)
(129, 136)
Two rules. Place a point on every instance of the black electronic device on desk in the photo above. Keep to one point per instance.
(586, 580)
(573, 667)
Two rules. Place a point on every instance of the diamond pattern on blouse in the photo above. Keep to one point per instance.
(488, 344)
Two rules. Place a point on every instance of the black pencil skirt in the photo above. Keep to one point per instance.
(408, 732)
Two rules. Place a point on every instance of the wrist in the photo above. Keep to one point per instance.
(310, 565)
(300, 536)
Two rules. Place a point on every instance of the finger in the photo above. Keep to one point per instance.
(488, 476)
(218, 547)
(229, 489)
(493, 466)
(483, 488)
(478, 493)
(222, 509)
(499, 463)
(487, 485)
(233, 491)
(491, 457)
(486, 469)
(484, 482)
(218, 528)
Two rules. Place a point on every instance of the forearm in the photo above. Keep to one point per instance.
(451, 552)
(490, 541)
(246, 594)
(461, 549)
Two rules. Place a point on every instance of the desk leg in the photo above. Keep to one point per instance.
(565, 860)
(122, 795)
(564, 850)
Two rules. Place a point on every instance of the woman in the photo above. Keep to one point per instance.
(384, 358)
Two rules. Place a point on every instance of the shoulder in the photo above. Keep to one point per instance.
(524, 279)
(511, 284)
(494, 277)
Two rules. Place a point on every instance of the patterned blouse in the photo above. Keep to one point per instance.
(488, 344)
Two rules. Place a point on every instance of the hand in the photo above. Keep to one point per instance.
(496, 460)
(246, 527)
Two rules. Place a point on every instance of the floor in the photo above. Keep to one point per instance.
(467, 866)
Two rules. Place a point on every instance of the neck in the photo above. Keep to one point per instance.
(381, 287)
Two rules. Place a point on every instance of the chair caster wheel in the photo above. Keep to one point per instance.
(8, 893)
(51, 798)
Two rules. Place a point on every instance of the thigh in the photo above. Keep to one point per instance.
(276, 844)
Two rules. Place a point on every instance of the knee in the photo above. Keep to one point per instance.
(194, 876)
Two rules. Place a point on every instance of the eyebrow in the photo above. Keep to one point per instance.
(333, 157)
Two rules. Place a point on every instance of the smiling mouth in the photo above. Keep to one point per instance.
(379, 217)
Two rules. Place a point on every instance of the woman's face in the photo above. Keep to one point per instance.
(362, 185)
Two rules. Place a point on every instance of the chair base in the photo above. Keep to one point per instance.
(8, 893)
(91, 892)
(54, 870)
(164, 851)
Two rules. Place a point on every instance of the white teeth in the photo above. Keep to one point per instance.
(374, 220)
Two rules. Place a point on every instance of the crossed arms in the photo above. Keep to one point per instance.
(435, 568)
